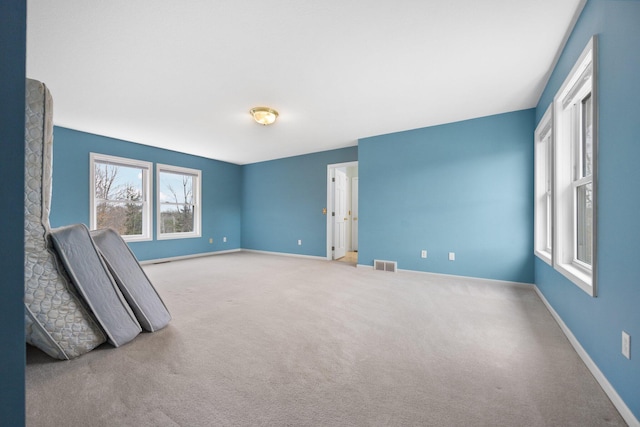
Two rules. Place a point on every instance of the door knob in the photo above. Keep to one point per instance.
(355, 219)
(346, 219)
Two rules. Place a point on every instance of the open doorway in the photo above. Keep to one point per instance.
(342, 212)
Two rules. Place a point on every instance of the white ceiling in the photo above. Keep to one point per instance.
(183, 75)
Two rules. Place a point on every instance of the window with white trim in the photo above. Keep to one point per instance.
(575, 178)
(543, 187)
(120, 190)
(178, 202)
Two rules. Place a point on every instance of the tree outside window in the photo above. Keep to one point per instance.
(120, 188)
(176, 199)
(178, 202)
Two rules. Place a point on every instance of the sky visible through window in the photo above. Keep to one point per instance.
(176, 188)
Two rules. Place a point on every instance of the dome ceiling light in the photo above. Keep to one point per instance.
(264, 115)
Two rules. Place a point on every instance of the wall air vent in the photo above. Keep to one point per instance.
(381, 265)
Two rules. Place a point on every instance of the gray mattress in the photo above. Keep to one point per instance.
(94, 282)
(56, 320)
(136, 287)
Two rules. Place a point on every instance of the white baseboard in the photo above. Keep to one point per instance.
(493, 281)
(615, 398)
(285, 254)
(178, 258)
(454, 276)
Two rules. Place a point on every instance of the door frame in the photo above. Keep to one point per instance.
(354, 219)
(330, 173)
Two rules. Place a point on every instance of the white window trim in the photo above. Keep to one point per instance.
(146, 185)
(581, 80)
(543, 174)
(197, 193)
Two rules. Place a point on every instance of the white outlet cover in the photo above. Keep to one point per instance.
(423, 254)
(626, 345)
(452, 256)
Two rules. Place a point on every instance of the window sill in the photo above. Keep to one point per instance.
(544, 256)
(583, 280)
(136, 238)
(178, 236)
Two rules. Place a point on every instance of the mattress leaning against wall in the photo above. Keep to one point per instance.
(136, 287)
(57, 320)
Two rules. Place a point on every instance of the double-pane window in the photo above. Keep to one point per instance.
(584, 181)
(574, 178)
(544, 187)
(120, 196)
(178, 202)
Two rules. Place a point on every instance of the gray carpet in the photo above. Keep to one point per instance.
(277, 341)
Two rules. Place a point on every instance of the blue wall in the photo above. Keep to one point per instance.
(13, 24)
(221, 184)
(282, 202)
(464, 187)
(597, 322)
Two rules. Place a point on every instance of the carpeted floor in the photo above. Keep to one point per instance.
(277, 341)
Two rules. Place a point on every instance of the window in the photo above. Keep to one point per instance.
(120, 191)
(178, 202)
(543, 187)
(575, 110)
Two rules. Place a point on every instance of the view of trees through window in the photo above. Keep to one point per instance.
(176, 202)
(584, 193)
(119, 198)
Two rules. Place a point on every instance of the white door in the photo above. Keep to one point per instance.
(354, 214)
(340, 217)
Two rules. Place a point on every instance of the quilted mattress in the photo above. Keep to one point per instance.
(57, 319)
(136, 287)
(92, 279)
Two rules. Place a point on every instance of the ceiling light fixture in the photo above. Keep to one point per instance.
(264, 115)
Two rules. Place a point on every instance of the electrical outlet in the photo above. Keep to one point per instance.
(224, 239)
(423, 254)
(626, 345)
(299, 242)
(210, 240)
(452, 256)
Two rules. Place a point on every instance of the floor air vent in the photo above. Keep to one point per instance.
(380, 265)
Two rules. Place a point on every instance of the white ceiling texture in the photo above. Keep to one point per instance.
(183, 75)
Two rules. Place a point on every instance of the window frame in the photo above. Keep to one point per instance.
(568, 177)
(543, 188)
(197, 202)
(146, 168)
